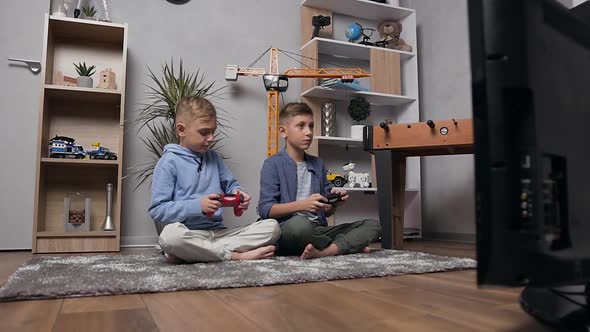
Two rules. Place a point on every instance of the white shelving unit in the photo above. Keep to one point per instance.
(393, 94)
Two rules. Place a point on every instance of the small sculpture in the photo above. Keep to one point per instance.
(360, 180)
(390, 36)
(60, 79)
(106, 79)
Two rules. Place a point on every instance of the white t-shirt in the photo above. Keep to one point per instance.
(304, 188)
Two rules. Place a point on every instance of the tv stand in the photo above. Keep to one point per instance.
(561, 307)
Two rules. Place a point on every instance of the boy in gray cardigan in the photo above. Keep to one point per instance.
(293, 190)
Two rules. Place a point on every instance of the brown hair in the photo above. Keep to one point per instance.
(193, 107)
(292, 110)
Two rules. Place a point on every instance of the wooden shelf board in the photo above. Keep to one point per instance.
(359, 189)
(77, 234)
(345, 49)
(82, 29)
(375, 98)
(80, 162)
(366, 9)
(340, 141)
(74, 93)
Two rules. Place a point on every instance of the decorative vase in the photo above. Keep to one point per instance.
(85, 82)
(58, 8)
(356, 131)
(77, 210)
(109, 223)
(328, 119)
(105, 11)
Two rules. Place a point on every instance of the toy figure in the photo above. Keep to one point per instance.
(356, 179)
(390, 36)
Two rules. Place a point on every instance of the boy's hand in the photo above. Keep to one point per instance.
(314, 203)
(343, 194)
(244, 205)
(210, 203)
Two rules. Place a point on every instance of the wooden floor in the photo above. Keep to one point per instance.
(447, 301)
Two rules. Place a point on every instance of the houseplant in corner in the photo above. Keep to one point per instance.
(158, 114)
(359, 109)
(84, 73)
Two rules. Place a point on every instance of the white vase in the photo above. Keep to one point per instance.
(85, 81)
(58, 8)
(356, 131)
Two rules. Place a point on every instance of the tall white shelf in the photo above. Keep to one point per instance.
(397, 101)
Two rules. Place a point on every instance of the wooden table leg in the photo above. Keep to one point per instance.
(391, 176)
(399, 197)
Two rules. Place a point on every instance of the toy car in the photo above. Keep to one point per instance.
(338, 180)
(64, 147)
(101, 152)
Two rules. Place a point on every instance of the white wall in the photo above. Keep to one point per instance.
(210, 34)
(448, 208)
(207, 35)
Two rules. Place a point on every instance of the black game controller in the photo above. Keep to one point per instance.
(333, 198)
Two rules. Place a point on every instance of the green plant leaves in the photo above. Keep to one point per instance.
(83, 70)
(359, 108)
(158, 114)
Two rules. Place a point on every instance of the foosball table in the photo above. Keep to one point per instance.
(391, 144)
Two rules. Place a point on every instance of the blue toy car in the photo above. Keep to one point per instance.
(101, 153)
(65, 147)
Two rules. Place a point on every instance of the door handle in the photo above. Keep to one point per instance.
(34, 66)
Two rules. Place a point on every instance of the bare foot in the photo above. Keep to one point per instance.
(366, 250)
(258, 253)
(311, 252)
(172, 259)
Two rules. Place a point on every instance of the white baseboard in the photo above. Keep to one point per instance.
(139, 241)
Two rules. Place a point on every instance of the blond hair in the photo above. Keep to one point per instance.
(291, 110)
(193, 107)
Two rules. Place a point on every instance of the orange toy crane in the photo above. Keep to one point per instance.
(276, 83)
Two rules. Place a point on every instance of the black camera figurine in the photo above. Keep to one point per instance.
(319, 22)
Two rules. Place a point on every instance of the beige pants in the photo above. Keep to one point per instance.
(217, 245)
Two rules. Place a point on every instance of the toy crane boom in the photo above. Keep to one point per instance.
(276, 83)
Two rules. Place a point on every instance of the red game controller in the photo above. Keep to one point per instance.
(230, 200)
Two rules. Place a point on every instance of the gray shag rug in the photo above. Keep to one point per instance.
(49, 277)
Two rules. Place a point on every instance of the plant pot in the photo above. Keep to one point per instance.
(356, 131)
(85, 82)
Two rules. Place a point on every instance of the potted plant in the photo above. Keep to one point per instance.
(89, 12)
(359, 109)
(84, 73)
(158, 114)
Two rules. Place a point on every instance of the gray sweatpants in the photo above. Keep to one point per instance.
(216, 245)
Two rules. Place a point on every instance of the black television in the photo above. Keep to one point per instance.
(530, 62)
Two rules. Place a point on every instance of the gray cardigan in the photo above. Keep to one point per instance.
(278, 182)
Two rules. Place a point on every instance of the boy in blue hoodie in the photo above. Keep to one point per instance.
(293, 189)
(186, 186)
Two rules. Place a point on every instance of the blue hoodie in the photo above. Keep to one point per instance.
(181, 179)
